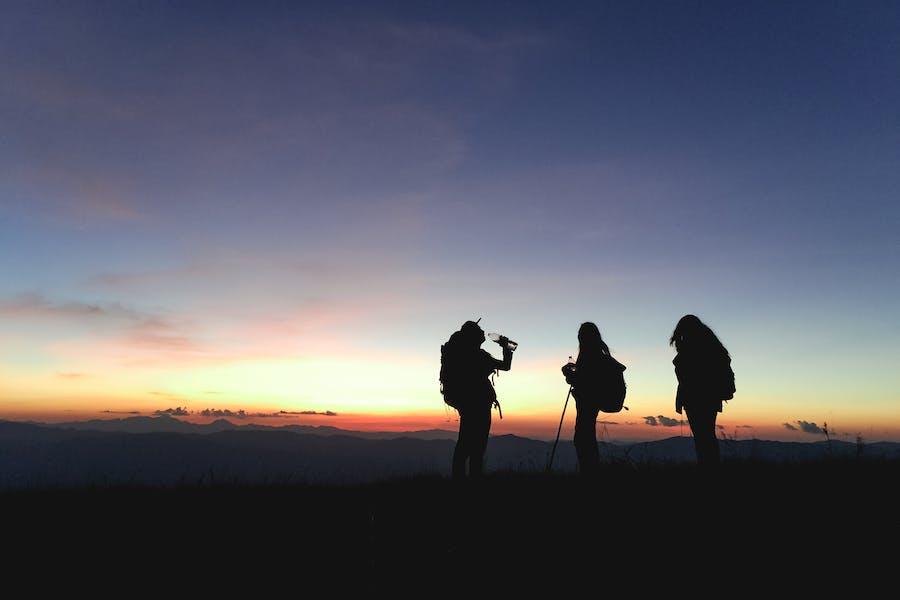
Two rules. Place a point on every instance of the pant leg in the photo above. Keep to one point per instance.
(471, 444)
(703, 427)
(586, 438)
(478, 439)
(461, 451)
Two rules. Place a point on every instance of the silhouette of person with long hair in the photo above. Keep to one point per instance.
(705, 379)
(591, 377)
(465, 374)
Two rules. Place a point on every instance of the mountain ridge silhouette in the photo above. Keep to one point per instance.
(170, 424)
(33, 455)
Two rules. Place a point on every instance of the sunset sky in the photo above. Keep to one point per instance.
(286, 206)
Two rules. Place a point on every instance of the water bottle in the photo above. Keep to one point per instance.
(496, 337)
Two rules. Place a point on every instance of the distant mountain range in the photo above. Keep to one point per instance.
(169, 424)
(167, 451)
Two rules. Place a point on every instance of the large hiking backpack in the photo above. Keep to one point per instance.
(612, 397)
(603, 387)
(450, 374)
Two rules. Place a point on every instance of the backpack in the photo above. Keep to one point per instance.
(727, 383)
(450, 374)
(613, 397)
(605, 388)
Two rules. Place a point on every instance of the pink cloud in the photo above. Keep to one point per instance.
(36, 306)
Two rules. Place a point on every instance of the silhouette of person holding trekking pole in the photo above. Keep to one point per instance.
(705, 379)
(596, 382)
(465, 383)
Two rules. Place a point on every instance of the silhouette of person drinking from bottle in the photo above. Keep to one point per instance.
(465, 383)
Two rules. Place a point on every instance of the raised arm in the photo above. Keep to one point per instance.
(503, 364)
(506, 363)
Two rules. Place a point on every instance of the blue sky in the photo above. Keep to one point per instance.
(239, 183)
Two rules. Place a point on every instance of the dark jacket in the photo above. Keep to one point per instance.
(704, 380)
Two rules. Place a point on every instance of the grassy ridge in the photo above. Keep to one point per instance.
(625, 520)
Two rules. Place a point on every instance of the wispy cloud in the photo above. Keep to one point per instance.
(243, 414)
(112, 333)
(71, 375)
(221, 413)
(124, 333)
(159, 334)
(36, 306)
(141, 278)
(138, 329)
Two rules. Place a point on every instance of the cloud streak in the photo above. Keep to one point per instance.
(71, 375)
(178, 411)
(140, 329)
(804, 427)
(36, 306)
(661, 421)
(124, 333)
(225, 413)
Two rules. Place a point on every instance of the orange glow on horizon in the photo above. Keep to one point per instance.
(613, 428)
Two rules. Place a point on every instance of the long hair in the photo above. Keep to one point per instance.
(590, 342)
(693, 335)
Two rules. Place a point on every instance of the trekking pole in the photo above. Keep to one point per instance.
(558, 431)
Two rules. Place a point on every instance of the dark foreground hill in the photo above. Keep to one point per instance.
(785, 526)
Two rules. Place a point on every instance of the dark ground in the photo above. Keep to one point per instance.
(647, 526)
